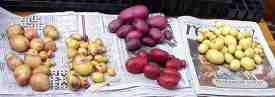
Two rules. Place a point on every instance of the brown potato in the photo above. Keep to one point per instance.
(51, 45)
(37, 44)
(19, 43)
(72, 52)
(32, 52)
(39, 82)
(74, 81)
(14, 30)
(49, 62)
(42, 69)
(50, 31)
(33, 61)
(13, 61)
(43, 55)
(22, 74)
(47, 39)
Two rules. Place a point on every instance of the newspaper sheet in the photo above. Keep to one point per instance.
(95, 26)
(217, 80)
(196, 79)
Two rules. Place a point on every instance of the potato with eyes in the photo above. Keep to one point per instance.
(15, 29)
(50, 31)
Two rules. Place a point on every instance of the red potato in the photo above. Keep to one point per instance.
(135, 65)
(140, 11)
(114, 25)
(126, 15)
(158, 55)
(124, 30)
(151, 71)
(137, 11)
(141, 25)
(156, 34)
(171, 72)
(134, 35)
(148, 41)
(158, 21)
(22, 74)
(175, 63)
(168, 81)
(39, 82)
(133, 44)
(142, 53)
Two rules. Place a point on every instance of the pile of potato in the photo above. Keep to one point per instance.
(86, 58)
(35, 67)
(223, 44)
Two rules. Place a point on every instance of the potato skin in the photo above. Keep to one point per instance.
(33, 60)
(51, 31)
(15, 30)
(39, 82)
(13, 61)
(158, 21)
(19, 43)
(22, 74)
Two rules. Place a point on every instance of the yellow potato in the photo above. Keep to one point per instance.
(235, 65)
(224, 50)
(214, 56)
(245, 43)
(249, 52)
(111, 72)
(203, 48)
(217, 44)
(76, 36)
(200, 38)
(99, 42)
(228, 57)
(72, 43)
(231, 49)
(101, 67)
(101, 58)
(230, 40)
(50, 31)
(248, 63)
(203, 30)
(258, 59)
(98, 77)
(207, 42)
(239, 54)
(72, 52)
(82, 51)
(84, 44)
